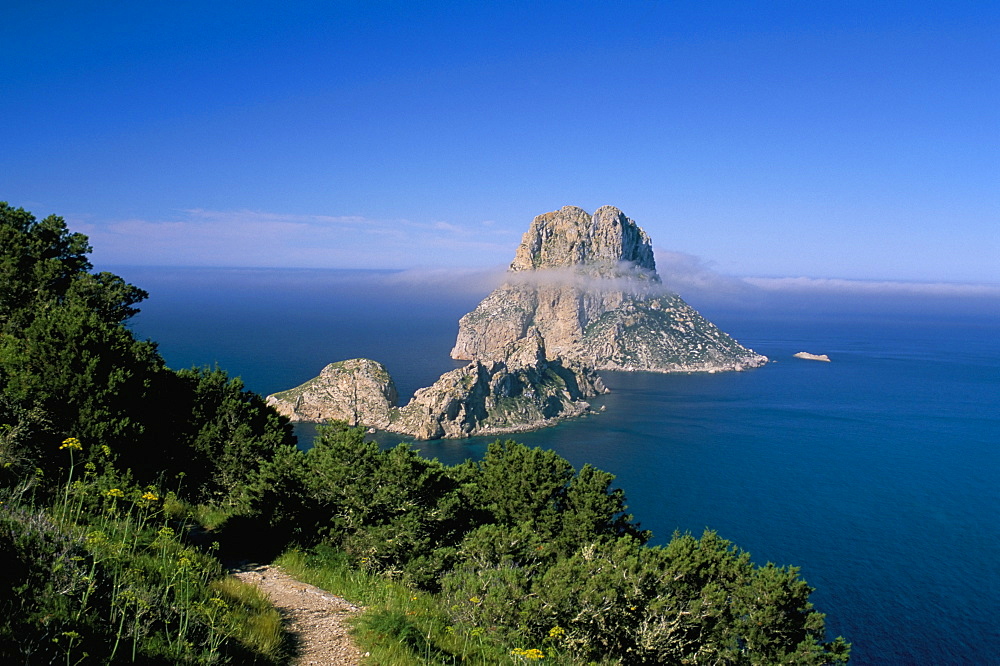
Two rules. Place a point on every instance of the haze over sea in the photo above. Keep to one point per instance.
(875, 473)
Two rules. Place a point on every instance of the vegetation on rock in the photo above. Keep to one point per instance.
(518, 390)
(358, 391)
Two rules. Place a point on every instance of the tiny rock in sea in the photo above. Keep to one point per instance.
(812, 357)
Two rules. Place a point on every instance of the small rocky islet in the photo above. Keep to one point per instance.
(581, 295)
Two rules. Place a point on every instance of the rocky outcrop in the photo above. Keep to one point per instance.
(520, 389)
(582, 294)
(812, 357)
(571, 238)
(359, 391)
(588, 285)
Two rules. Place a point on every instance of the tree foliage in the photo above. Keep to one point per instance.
(70, 367)
(227, 432)
(524, 544)
(38, 263)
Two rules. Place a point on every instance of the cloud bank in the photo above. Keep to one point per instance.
(689, 274)
(706, 289)
(435, 257)
(807, 285)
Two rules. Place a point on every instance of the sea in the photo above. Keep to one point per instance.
(876, 473)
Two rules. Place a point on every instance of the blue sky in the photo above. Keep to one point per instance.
(855, 141)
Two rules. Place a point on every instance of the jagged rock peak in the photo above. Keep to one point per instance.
(517, 389)
(572, 238)
(527, 352)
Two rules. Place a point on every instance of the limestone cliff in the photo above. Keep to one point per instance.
(519, 389)
(589, 285)
(598, 244)
(359, 391)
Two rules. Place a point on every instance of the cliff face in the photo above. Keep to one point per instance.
(519, 389)
(589, 285)
(359, 391)
(597, 244)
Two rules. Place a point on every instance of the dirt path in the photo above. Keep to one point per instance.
(315, 617)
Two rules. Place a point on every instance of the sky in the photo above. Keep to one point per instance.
(791, 143)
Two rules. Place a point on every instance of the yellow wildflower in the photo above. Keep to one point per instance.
(71, 443)
(115, 492)
(532, 654)
(149, 496)
(557, 632)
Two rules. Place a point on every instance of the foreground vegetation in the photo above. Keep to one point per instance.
(125, 485)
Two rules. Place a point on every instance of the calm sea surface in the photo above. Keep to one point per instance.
(877, 473)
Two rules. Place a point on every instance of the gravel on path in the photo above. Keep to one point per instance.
(316, 618)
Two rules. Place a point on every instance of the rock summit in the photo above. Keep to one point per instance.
(588, 284)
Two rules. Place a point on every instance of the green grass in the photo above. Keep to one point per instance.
(102, 575)
(251, 618)
(401, 626)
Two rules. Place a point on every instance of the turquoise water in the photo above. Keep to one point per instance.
(875, 473)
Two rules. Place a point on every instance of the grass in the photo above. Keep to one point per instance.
(210, 517)
(401, 626)
(251, 619)
(101, 574)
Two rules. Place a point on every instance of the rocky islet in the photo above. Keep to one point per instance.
(589, 285)
(581, 295)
